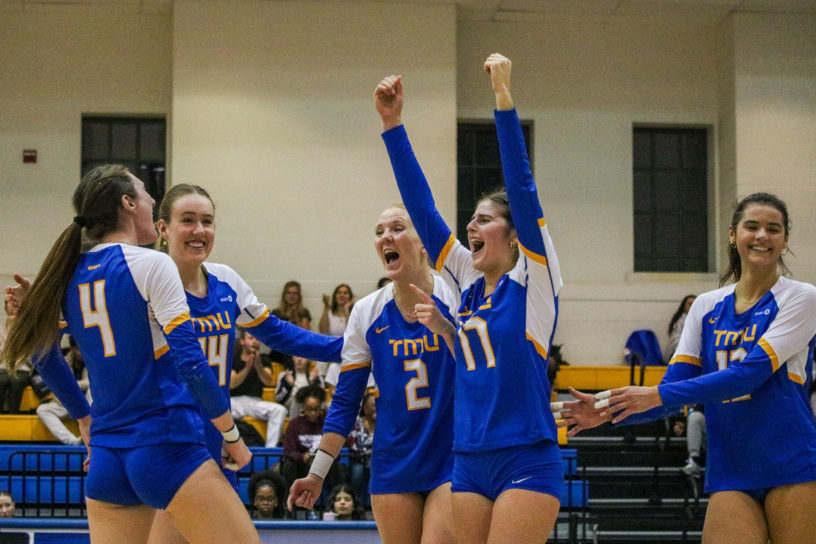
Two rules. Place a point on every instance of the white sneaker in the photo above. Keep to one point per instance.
(691, 469)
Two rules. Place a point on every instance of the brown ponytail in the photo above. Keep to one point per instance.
(97, 201)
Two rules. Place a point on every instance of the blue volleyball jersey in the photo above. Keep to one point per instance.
(750, 370)
(126, 308)
(502, 391)
(230, 302)
(414, 374)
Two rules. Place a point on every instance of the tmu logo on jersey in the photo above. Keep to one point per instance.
(725, 338)
(211, 323)
(410, 347)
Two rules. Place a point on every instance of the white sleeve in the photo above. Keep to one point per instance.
(158, 281)
(251, 309)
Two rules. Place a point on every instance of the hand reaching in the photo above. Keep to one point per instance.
(388, 99)
(579, 414)
(16, 293)
(632, 399)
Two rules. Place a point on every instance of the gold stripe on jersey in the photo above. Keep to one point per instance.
(796, 378)
(354, 366)
(696, 361)
(257, 321)
(161, 351)
(176, 322)
(541, 259)
(541, 222)
(440, 262)
(538, 347)
(769, 351)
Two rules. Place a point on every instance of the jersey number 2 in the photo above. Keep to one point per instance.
(416, 402)
(95, 313)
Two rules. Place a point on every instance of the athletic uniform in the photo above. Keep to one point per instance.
(751, 372)
(229, 302)
(413, 369)
(126, 308)
(502, 391)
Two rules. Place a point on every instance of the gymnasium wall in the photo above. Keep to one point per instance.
(269, 107)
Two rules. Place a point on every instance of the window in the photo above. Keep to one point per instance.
(670, 199)
(136, 142)
(479, 168)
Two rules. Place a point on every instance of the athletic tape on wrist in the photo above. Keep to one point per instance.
(231, 436)
(321, 464)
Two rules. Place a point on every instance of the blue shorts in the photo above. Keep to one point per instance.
(146, 475)
(534, 467)
(758, 494)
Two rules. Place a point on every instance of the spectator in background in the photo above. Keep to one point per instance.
(52, 412)
(302, 438)
(336, 311)
(6, 505)
(291, 381)
(267, 494)
(343, 502)
(12, 384)
(291, 307)
(676, 326)
(250, 374)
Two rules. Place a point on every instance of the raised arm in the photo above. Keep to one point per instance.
(413, 186)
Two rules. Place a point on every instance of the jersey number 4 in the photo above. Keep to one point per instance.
(215, 348)
(95, 313)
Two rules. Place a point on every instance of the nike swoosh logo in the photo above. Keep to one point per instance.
(522, 480)
(378, 330)
(712, 319)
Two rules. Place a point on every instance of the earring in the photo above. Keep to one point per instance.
(732, 245)
(512, 245)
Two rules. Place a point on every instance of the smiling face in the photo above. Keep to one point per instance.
(760, 236)
(190, 233)
(398, 246)
(342, 295)
(492, 240)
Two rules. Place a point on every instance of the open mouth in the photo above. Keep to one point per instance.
(390, 256)
(196, 244)
(760, 249)
(476, 246)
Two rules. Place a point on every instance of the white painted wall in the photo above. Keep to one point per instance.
(273, 115)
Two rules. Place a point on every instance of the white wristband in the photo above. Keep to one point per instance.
(321, 464)
(231, 436)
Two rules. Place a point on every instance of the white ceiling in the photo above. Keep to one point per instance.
(704, 12)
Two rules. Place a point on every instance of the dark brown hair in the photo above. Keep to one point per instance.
(97, 201)
(734, 270)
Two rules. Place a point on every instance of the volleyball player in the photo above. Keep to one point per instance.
(413, 368)
(126, 308)
(746, 353)
(508, 474)
(219, 300)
